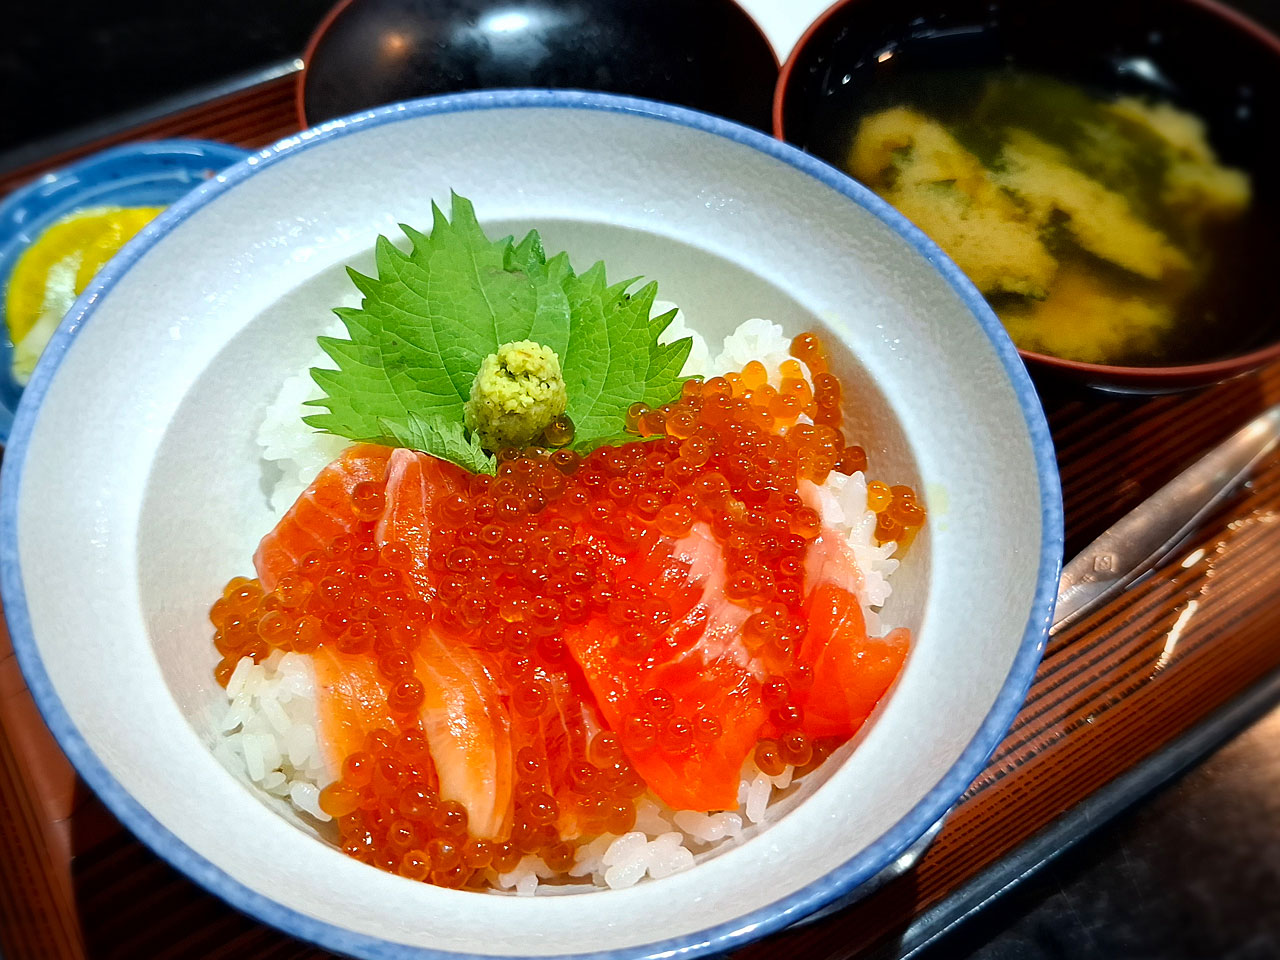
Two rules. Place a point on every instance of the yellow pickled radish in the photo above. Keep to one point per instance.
(57, 268)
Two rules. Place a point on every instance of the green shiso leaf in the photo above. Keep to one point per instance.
(444, 438)
(432, 314)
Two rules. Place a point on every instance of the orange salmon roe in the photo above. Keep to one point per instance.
(521, 559)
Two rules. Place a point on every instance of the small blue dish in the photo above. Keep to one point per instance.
(135, 175)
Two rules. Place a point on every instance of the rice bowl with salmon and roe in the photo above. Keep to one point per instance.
(559, 598)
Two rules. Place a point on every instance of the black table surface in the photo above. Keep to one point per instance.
(1191, 872)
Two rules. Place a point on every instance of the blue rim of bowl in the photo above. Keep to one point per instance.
(44, 200)
(734, 933)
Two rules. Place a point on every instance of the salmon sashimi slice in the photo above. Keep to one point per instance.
(568, 731)
(351, 700)
(463, 716)
(561, 735)
(706, 778)
(700, 663)
(851, 670)
(708, 628)
(829, 559)
(321, 514)
(468, 728)
(416, 483)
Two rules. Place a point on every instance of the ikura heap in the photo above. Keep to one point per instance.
(507, 666)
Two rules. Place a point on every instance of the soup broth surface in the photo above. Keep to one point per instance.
(1100, 228)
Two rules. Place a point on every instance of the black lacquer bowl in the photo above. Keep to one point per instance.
(1198, 54)
(706, 54)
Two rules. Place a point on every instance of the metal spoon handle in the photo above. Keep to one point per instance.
(1145, 535)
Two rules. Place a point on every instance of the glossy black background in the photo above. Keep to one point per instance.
(1192, 873)
(66, 64)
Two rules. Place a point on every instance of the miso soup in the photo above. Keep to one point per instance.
(1100, 229)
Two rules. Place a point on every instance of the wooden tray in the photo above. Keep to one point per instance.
(1111, 693)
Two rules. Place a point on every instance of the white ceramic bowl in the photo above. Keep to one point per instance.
(132, 490)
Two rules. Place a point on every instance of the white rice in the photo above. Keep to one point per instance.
(298, 451)
(270, 728)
